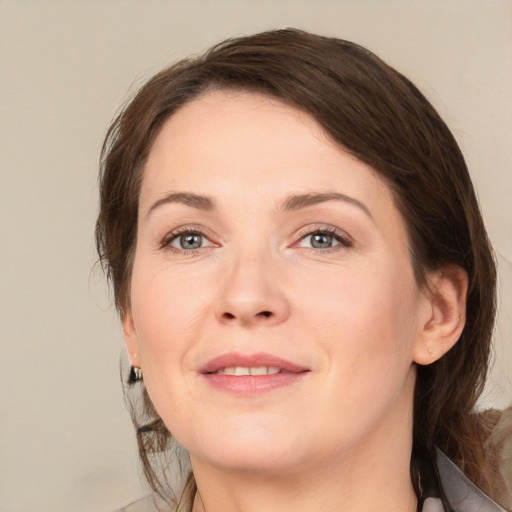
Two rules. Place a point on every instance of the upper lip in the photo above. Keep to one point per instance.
(250, 361)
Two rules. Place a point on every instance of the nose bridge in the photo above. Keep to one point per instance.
(252, 292)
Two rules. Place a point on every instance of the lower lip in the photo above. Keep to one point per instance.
(248, 385)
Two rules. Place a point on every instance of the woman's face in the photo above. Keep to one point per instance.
(274, 310)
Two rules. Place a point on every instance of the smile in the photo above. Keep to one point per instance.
(240, 371)
(251, 374)
(237, 364)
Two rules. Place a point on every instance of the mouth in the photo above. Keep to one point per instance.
(241, 371)
(258, 364)
(251, 374)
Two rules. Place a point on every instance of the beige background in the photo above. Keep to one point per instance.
(66, 443)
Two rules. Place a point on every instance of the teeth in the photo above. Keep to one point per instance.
(260, 370)
(241, 371)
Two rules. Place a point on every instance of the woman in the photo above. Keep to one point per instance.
(305, 283)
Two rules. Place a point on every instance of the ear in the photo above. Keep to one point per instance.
(445, 315)
(130, 338)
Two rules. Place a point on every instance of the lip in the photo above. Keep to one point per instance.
(250, 360)
(247, 385)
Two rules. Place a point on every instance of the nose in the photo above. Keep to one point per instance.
(252, 294)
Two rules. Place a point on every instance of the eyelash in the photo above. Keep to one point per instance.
(345, 241)
(177, 233)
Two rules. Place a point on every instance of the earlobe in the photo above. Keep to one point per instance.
(445, 320)
(130, 338)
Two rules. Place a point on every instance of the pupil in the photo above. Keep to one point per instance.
(321, 241)
(191, 241)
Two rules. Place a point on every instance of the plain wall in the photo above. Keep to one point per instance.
(66, 441)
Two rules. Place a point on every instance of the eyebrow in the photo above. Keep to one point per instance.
(296, 202)
(292, 202)
(187, 198)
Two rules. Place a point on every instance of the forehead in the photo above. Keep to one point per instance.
(235, 117)
(228, 136)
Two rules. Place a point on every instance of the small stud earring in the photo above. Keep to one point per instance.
(135, 374)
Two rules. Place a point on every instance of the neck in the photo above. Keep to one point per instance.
(373, 481)
(369, 476)
(321, 492)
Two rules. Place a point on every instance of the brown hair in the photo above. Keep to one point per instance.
(378, 115)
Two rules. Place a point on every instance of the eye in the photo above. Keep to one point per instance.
(186, 241)
(324, 239)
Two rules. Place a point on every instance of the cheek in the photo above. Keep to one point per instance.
(365, 325)
(168, 323)
(166, 310)
(363, 318)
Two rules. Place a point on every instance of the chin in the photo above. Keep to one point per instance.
(249, 450)
(256, 461)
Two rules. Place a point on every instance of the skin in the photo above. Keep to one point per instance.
(349, 311)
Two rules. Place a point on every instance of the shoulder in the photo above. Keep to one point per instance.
(461, 493)
(497, 444)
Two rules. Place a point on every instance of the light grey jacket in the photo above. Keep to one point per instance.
(462, 494)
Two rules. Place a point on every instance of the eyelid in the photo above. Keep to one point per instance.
(175, 233)
(344, 239)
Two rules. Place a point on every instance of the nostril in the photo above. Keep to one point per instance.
(262, 314)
